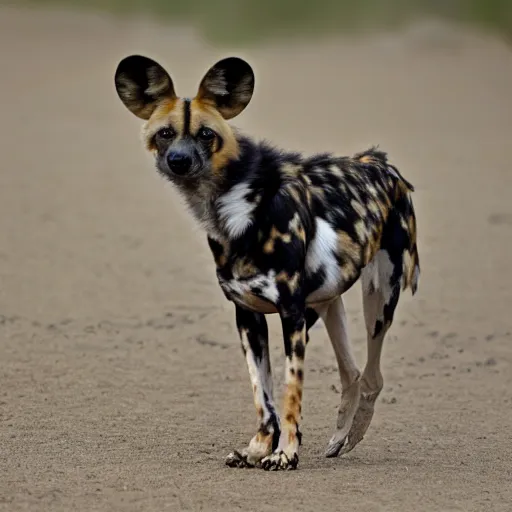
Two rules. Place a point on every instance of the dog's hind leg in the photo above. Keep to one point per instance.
(380, 298)
(253, 331)
(335, 320)
(394, 266)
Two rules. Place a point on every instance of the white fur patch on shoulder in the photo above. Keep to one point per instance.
(235, 212)
(322, 246)
(322, 255)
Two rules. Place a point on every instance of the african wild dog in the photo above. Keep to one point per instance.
(289, 235)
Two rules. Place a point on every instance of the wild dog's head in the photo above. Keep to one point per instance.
(190, 139)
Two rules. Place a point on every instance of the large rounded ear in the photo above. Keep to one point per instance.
(142, 84)
(228, 86)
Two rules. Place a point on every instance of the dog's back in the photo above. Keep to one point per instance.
(363, 213)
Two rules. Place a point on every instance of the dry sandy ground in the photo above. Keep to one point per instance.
(122, 385)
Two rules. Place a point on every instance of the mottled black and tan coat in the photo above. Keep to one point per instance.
(289, 235)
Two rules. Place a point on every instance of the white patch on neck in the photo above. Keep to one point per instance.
(235, 212)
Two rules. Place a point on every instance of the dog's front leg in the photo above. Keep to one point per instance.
(253, 331)
(286, 455)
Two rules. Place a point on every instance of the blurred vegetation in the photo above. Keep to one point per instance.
(246, 21)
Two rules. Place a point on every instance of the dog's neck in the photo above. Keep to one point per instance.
(226, 206)
(218, 204)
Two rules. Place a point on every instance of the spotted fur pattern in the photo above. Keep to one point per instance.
(289, 235)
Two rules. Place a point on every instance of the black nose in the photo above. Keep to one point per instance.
(179, 163)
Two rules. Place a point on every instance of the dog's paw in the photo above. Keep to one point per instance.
(343, 442)
(335, 445)
(238, 460)
(279, 461)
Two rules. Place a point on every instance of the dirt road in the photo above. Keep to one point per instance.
(122, 385)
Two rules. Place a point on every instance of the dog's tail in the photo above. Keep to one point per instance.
(379, 159)
(402, 224)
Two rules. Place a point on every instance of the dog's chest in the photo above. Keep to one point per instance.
(330, 268)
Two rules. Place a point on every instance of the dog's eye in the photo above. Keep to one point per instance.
(206, 134)
(165, 133)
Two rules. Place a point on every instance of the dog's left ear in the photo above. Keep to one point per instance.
(142, 84)
(228, 86)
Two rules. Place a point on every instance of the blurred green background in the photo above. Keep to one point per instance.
(248, 21)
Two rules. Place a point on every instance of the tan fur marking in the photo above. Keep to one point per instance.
(358, 208)
(374, 207)
(384, 209)
(348, 269)
(291, 408)
(372, 246)
(387, 200)
(318, 192)
(354, 192)
(349, 247)
(290, 418)
(412, 227)
(308, 197)
(291, 170)
(295, 226)
(295, 194)
(296, 336)
(275, 234)
(244, 268)
(292, 282)
(204, 114)
(222, 259)
(334, 169)
(407, 265)
(168, 113)
(362, 232)
(263, 438)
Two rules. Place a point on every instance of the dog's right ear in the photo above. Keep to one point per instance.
(142, 84)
